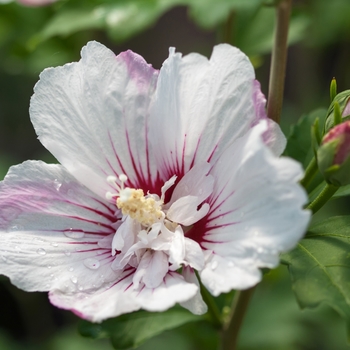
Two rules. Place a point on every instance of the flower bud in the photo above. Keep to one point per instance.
(334, 155)
(343, 102)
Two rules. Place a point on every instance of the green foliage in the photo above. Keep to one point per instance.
(131, 330)
(320, 266)
(299, 145)
(121, 19)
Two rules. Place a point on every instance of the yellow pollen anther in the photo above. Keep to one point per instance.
(146, 211)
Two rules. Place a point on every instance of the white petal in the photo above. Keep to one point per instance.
(194, 254)
(196, 304)
(221, 275)
(92, 116)
(185, 211)
(255, 210)
(50, 228)
(201, 106)
(195, 182)
(121, 298)
(157, 268)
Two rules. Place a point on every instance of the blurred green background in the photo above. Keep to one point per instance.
(32, 39)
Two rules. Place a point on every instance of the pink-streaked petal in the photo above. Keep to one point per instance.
(50, 228)
(196, 182)
(93, 117)
(196, 305)
(189, 193)
(273, 136)
(121, 297)
(201, 106)
(185, 210)
(157, 268)
(255, 209)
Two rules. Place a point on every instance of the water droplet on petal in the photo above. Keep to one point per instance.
(41, 251)
(71, 269)
(74, 279)
(54, 244)
(214, 265)
(91, 263)
(57, 185)
(16, 228)
(49, 266)
(67, 252)
(74, 233)
(80, 288)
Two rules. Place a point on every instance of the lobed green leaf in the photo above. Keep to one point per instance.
(320, 266)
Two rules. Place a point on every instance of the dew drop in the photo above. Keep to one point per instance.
(80, 288)
(16, 228)
(214, 265)
(74, 279)
(57, 185)
(54, 244)
(74, 233)
(67, 252)
(91, 263)
(71, 269)
(41, 251)
(49, 266)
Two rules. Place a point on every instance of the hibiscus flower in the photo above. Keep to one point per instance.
(163, 173)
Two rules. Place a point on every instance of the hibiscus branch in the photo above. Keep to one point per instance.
(232, 328)
(278, 61)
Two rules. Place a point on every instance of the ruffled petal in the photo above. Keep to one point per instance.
(121, 298)
(273, 136)
(93, 115)
(255, 211)
(196, 304)
(201, 106)
(50, 227)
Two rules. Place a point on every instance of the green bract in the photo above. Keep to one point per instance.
(342, 100)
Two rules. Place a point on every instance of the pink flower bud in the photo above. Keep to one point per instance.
(333, 155)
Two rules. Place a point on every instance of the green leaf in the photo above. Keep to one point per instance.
(254, 29)
(121, 19)
(209, 13)
(320, 266)
(299, 145)
(342, 192)
(132, 329)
